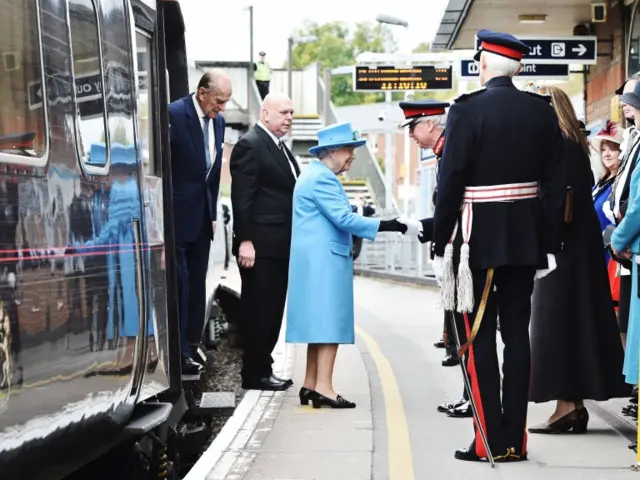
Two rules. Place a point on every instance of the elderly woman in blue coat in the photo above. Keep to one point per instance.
(320, 294)
(625, 242)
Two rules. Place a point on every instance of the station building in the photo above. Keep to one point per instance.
(615, 23)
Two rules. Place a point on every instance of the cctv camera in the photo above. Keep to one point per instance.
(382, 116)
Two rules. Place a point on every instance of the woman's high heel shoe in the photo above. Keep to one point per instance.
(305, 395)
(319, 400)
(575, 422)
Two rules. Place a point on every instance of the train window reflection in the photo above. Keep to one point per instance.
(88, 83)
(145, 112)
(22, 116)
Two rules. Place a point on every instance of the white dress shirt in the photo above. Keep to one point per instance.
(277, 141)
(212, 137)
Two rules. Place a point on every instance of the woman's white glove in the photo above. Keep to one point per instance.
(414, 227)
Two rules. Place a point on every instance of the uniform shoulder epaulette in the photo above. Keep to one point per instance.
(546, 98)
(467, 95)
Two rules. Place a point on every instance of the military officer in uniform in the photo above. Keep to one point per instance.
(497, 224)
(426, 120)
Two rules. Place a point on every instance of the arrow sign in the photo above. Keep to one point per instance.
(469, 70)
(560, 51)
(580, 50)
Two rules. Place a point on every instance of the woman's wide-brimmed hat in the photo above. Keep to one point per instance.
(611, 133)
(336, 136)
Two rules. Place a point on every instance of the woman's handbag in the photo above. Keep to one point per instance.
(606, 236)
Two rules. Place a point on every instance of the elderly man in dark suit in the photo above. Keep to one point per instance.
(263, 175)
(197, 139)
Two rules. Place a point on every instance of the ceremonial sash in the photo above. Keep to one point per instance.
(486, 194)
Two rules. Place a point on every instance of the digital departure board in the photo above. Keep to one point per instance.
(417, 77)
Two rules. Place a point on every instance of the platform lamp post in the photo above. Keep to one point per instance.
(250, 69)
(388, 161)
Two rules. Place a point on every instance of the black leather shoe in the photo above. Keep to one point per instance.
(633, 446)
(470, 455)
(462, 411)
(288, 381)
(191, 367)
(305, 395)
(450, 361)
(445, 407)
(439, 344)
(320, 400)
(573, 422)
(267, 383)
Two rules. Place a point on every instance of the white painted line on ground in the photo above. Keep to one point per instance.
(219, 458)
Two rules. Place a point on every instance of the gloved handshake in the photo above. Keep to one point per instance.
(414, 227)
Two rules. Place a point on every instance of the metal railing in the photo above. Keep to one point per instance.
(393, 255)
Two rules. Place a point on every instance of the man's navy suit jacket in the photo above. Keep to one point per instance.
(193, 189)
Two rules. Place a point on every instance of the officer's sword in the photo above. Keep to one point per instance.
(467, 386)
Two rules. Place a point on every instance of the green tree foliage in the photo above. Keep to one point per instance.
(337, 46)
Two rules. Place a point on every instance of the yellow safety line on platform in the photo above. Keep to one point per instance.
(400, 458)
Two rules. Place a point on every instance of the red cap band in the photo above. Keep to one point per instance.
(415, 112)
(502, 50)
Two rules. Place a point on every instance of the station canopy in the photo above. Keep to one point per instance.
(463, 18)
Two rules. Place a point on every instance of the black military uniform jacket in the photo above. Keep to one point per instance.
(497, 136)
(427, 223)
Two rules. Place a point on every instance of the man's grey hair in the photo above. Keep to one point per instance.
(212, 78)
(439, 121)
(500, 66)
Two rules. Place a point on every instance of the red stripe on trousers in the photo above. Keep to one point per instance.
(481, 451)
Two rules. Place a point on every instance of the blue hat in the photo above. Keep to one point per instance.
(421, 108)
(502, 44)
(336, 136)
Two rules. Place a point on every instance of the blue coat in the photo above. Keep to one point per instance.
(193, 188)
(320, 295)
(627, 234)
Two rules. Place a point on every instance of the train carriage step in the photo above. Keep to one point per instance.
(148, 416)
(191, 378)
(217, 403)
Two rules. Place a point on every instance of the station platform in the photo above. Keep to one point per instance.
(394, 375)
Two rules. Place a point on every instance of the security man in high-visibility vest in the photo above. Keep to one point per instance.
(262, 74)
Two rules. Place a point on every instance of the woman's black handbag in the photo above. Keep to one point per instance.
(606, 236)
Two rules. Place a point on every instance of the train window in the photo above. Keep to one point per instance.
(145, 103)
(90, 114)
(23, 129)
(119, 79)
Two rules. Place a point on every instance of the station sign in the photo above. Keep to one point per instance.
(469, 69)
(579, 50)
(368, 78)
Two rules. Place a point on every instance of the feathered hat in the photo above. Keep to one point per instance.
(611, 132)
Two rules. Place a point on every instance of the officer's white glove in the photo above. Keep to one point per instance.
(414, 227)
(551, 260)
(437, 265)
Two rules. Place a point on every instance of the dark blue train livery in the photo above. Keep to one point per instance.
(89, 354)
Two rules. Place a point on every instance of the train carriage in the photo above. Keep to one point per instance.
(89, 352)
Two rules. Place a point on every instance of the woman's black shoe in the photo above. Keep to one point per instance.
(305, 395)
(575, 422)
(319, 400)
(634, 446)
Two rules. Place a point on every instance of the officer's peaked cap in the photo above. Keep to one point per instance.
(502, 44)
(262, 54)
(421, 108)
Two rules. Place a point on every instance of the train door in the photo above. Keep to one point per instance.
(155, 360)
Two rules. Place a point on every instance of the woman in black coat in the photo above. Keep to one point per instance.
(576, 352)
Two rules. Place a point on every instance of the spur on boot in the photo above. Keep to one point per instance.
(573, 422)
